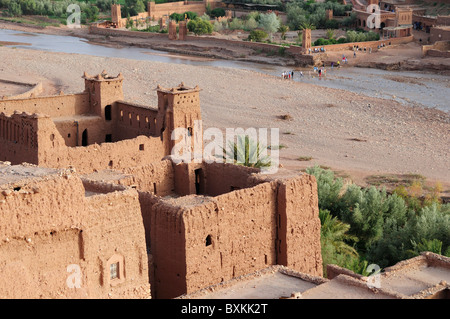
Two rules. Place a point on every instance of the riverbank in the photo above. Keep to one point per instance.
(406, 57)
(357, 135)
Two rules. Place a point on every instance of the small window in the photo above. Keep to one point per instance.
(108, 138)
(208, 240)
(141, 147)
(189, 131)
(114, 271)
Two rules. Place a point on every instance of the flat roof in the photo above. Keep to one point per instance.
(275, 282)
(345, 287)
(12, 174)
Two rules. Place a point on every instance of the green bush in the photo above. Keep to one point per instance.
(331, 24)
(257, 35)
(176, 16)
(321, 41)
(328, 187)
(385, 229)
(190, 15)
(217, 12)
(199, 26)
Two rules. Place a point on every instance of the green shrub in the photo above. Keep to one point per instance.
(200, 27)
(328, 187)
(176, 16)
(385, 228)
(331, 24)
(217, 12)
(257, 35)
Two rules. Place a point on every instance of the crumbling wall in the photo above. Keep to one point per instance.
(53, 151)
(18, 138)
(52, 232)
(156, 178)
(168, 248)
(299, 225)
(233, 235)
(115, 233)
(222, 178)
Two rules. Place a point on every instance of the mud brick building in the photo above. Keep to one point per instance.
(89, 180)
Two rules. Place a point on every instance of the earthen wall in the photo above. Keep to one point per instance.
(134, 120)
(53, 106)
(367, 44)
(230, 237)
(49, 225)
(18, 138)
(299, 225)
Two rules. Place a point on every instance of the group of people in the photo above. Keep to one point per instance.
(320, 71)
(316, 50)
(287, 75)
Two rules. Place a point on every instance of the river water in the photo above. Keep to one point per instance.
(411, 88)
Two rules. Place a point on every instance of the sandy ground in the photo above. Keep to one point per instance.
(334, 127)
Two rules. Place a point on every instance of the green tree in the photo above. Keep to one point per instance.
(133, 7)
(250, 24)
(176, 16)
(328, 187)
(236, 24)
(257, 35)
(283, 29)
(28, 6)
(269, 22)
(217, 12)
(14, 9)
(129, 23)
(330, 34)
(432, 245)
(199, 26)
(190, 15)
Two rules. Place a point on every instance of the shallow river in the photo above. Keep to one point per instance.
(418, 88)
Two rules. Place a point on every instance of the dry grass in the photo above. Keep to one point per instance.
(285, 117)
(304, 158)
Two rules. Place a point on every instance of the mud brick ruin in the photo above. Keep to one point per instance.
(88, 182)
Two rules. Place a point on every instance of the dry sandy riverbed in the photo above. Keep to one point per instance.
(334, 127)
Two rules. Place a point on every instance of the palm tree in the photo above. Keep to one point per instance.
(283, 29)
(333, 240)
(246, 152)
(307, 25)
(330, 34)
(335, 232)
